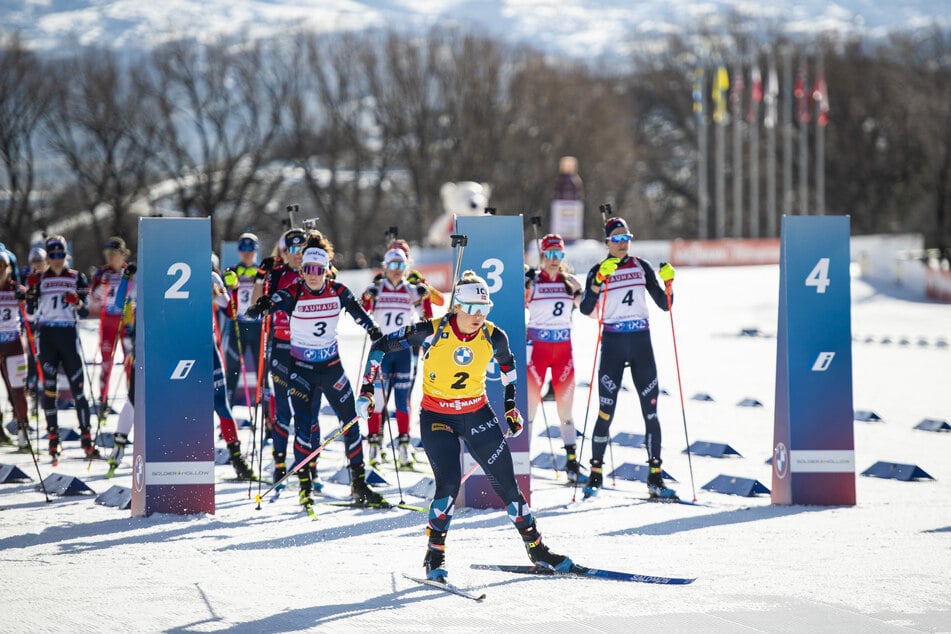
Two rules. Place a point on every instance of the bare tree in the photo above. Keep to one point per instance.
(219, 113)
(24, 98)
(566, 109)
(340, 139)
(104, 134)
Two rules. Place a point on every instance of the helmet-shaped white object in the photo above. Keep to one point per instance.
(465, 198)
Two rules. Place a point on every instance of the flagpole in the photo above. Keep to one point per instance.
(822, 107)
(736, 119)
(756, 95)
(802, 96)
(720, 84)
(703, 193)
(770, 120)
(787, 131)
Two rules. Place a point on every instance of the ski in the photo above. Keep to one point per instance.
(447, 587)
(583, 571)
(589, 492)
(361, 505)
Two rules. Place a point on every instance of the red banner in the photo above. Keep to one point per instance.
(724, 252)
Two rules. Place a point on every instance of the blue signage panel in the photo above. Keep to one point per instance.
(494, 251)
(813, 443)
(173, 464)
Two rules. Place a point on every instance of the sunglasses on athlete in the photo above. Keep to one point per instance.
(313, 269)
(624, 237)
(554, 254)
(475, 309)
(396, 265)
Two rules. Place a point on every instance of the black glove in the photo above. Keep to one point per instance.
(260, 307)
(373, 290)
(20, 293)
(375, 333)
(130, 270)
(267, 264)
(377, 278)
(530, 273)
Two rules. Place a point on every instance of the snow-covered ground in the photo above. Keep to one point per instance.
(881, 566)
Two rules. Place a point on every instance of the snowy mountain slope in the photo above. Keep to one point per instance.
(579, 28)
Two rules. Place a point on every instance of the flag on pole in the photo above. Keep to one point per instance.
(801, 93)
(756, 95)
(771, 96)
(821, 96)
(698, 92)
(736, 94)
(721, 84)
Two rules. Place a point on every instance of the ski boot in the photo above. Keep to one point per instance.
(435, 560)
(241, 467)
(375, 453)
(55, 448)
(89, 449)
(573, 468)
(303, 495)
(540, 555)
(23, 436)
(405, 458)
(361, 491)
(655, 483)
(596, 479)
(118, 450)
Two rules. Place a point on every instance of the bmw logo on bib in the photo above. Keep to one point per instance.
(463, 355)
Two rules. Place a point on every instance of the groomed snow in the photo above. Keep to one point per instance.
(881, 566)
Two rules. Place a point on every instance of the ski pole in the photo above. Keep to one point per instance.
(25, 426)
(244, 374)
(39, 371)
(389, 429)
(103, 375)
(264, 352)
(591, 383)
(536, 221)
(334, 436)
(683, 410)
(122, 299)
(605, 210)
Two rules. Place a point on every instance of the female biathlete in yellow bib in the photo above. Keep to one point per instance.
(455, 409)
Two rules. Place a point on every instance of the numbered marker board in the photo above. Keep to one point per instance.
(173, 464)
(494, 251)
(813, 444)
